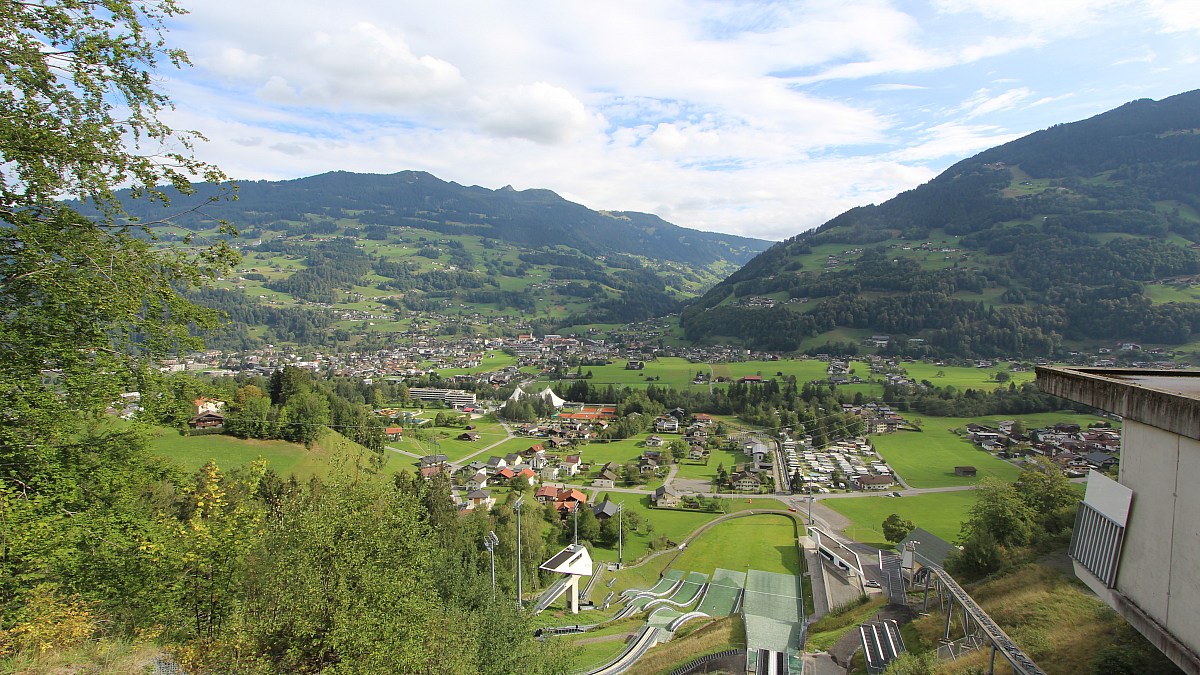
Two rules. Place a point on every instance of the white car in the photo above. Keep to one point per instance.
(871, 583)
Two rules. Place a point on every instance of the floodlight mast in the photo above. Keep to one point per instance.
(620, 534)
(517, 508)
(489, 542)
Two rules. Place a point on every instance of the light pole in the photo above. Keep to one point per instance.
(489, 542)
(517, 507)
(810, 502)
(620, 534)
(576, 523)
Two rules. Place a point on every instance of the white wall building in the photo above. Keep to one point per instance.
(1136, 542)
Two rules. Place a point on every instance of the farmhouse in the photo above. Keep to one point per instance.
(665, 497)
(745, 481)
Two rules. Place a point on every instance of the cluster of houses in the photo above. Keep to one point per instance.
(1074, 449)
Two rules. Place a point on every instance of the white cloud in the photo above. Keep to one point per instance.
(952, 139)
(1176, 16)
(539, 112)
(1058, 17)
(758, 118)
(984, 103)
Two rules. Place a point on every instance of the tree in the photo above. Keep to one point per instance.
(589, 525)
(895, 529)
(679, 450)
(303, 417)
(90, 300)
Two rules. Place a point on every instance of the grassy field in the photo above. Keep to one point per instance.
(445, 440)
(721, 634)
(831, 627)
(667, 372)
(763, 542)
(699, 470)
(673, 524)
(333, 449)
(941, 513)
(597, 647)
(963, 377)
(927, 458)
(1054, 620)
(621, 451)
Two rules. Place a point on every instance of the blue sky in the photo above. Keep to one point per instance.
(756, 118)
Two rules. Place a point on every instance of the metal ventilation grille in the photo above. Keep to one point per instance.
(1096, 543)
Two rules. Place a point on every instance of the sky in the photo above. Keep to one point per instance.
(763, 119)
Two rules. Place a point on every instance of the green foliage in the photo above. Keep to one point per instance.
(895, 528)
(79, 80)
(1039, 507)
(909, 663)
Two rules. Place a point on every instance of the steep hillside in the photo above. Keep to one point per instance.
(345, 258)
(1080, 234)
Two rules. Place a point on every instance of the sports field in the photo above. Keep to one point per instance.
(665, 372)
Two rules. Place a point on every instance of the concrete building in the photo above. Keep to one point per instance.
(1135, 541)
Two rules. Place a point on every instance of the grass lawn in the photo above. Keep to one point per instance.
(725, 633)
(927, 458)
(447, 442)
(673, 524)
(629, 449)
(764, 542)
(595, 648)
(690, 469)
(491, 361)
(942, 513)
(191, 452)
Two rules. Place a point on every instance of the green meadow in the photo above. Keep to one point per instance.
(332, 450)
(941, 513)
(926, 459)
(763, 542)
(674, 524)
(964, 377)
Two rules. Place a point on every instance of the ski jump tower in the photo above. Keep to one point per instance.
(575, 562)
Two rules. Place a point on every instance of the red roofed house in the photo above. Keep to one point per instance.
(393, 433)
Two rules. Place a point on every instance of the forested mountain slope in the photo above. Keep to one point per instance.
(334, 257)
(1080, 234)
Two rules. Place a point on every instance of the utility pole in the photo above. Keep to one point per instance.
(489, 542)
(576, 523)
(517, 507)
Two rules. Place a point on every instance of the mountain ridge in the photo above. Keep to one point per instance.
(1038, 233)
(344, 258)
(535, 216)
